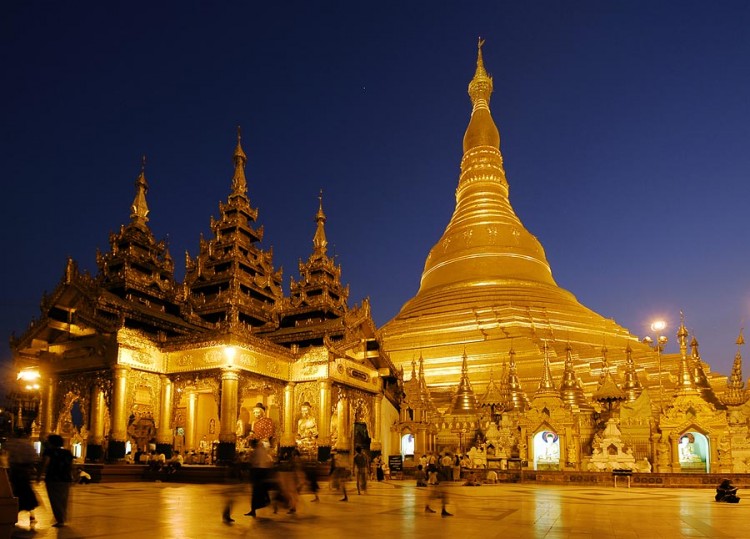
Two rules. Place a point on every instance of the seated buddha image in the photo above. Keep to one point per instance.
(551, 448)
(687, 449)
(307, 430)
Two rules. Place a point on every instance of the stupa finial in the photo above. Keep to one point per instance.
(139, 209)
(239, 183)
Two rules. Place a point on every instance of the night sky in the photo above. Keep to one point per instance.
(625, 131)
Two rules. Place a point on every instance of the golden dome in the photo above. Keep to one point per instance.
(487, 281)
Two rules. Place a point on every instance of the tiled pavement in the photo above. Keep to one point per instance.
(396, 509)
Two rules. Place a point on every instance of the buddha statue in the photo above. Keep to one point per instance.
(307, 430)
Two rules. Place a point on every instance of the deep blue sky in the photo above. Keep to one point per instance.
(625, 130)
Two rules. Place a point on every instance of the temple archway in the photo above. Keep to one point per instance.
(407, 444)
(694, 452)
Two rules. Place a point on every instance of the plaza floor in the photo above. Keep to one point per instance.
(395, 509)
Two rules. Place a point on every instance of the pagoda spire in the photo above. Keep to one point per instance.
(319, 240)
(735, 394)
(608, 390)
(570, 389)
(632, 386)
(546, 384)
(139, 209)
(239, 182)
(685, 379)
(699, 376)
(464, 402)
(517, 399)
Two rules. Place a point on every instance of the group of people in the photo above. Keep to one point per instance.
(55, 468)
(275, 485)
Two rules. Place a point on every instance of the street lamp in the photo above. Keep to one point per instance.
(657, 326)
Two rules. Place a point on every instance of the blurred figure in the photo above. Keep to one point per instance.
(726, 492)
(438, 492)
(57, 468)
(261, 471)
(338, 477)
(361, 467)
(22, 460)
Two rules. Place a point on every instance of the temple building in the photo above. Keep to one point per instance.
(513, 371)
(129, 357)
(576, 390)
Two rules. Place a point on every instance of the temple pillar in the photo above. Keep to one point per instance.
(376, 442)
(48, 410)
(192, 409)
(324, 420)
(94, 446)
(674, 451)
(164, 436)
(562, 441)
(228, 415)
(344, 442)
(119, 429)
(287, 436)
(713, 449)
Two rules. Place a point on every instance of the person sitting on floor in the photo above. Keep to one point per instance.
(726, 492)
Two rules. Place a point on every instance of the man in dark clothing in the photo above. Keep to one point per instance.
(361, 468)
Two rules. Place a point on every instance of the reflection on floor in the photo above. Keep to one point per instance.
(395, 509)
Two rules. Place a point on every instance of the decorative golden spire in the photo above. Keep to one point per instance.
(632, 386)
(546, 384)
(685, 380)
(139, 208)
(319, 240)
(465, 402)
(480, 87)
(239, 183)
(735, 394)
(517, 399)
(570, 389)
(608, 390)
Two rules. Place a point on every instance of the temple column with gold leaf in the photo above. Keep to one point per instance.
(119, 433)
(164, 430)
(228, 418)
(48, 411)
(94, 449)
(344, 441)
(376, 444)
(324, 419)
(674, 450)
(190, 419)
(287, 436)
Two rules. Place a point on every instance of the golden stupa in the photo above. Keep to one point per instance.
(487, 287)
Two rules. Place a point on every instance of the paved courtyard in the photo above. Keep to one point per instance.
(396, 509)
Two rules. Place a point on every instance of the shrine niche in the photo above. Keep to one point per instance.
(546, 450)
(72, 418)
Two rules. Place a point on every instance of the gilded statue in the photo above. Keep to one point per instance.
(307, 431)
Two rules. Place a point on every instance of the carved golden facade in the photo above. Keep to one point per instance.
(132, 356)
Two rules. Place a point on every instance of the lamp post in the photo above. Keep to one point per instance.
(657, 326)
(28, 396)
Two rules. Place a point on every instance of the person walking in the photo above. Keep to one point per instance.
(57, 468)
(261, 472)
(338, 477)
(21, 462)
(361, 468)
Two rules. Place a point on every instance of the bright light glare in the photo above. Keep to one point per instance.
(230, 351)
(28, 375)
(658, 325)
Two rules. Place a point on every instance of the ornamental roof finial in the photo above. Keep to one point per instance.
(139, 209)
(319, 240)
(239, 183)
(480, 87)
